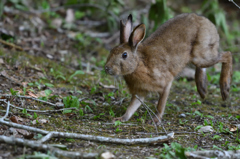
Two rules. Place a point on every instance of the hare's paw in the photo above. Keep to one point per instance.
(225, 87)
(122, 119)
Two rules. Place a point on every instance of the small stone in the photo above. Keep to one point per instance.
(182, 115)
(107, 155)
(206, 129)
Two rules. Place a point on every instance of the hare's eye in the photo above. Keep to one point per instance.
(124, 55)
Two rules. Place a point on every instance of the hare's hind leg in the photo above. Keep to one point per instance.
(201, 81)
(226, 74)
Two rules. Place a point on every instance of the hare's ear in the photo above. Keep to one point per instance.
(137, 36)
(125, 30)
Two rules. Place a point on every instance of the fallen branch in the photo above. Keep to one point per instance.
(212, 153)
(11, 45)
(51, 134)
(28, 97)
(39, 146)
(43, 111)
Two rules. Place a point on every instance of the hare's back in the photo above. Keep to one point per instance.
(182, 28)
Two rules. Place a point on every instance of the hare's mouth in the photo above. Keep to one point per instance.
(109, 70)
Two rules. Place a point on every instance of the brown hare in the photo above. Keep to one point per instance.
(152, 64)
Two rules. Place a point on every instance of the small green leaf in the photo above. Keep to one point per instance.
(198, 127)
(67, 111)
(49, 85)
(35, 115)
(78, 72)
(47, 92)
(117, 123)
(24, 111)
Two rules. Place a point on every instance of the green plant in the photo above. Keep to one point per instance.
(98, 116)
(24, 111)
(13, 92)
(19, 4)
(217, 148)
(234, 148)
(35, 116)
(175, 151)
(198, 102)
(225, 144)
(78, 72)
(81, 112)
(198, 127)
(182, 122)
(221, 128)
(57, 74)
(109, 96)
(87, 108)
(111, 112)
(159, 13)
(216, 137)
(198, 113)
(117, 124)
(69, 102)
(213, 12)
(118, 129)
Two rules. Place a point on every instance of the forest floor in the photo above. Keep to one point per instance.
(51, 68)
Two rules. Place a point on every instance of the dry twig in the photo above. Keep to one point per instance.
(234, 3)
(45, 147)
(148, 109)
(213, 153)
(28, 97)
(11, 45)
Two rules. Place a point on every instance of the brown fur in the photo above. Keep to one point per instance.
(151, 65)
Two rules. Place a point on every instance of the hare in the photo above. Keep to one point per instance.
(152, 64)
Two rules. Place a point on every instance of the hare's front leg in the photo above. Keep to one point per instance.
(162, 102)
(134, 105)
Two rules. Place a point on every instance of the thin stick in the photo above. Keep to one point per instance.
(11, 45)
(234, 3)
(151, 117)
(6, 114)
(153, 113)
(43, 111)
(27, 97)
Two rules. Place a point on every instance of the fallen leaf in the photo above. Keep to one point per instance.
(32, 95)
(41, 94)
(234, 127)
(16, 119)
(26, 134)
(40, 121)
(43, 121)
